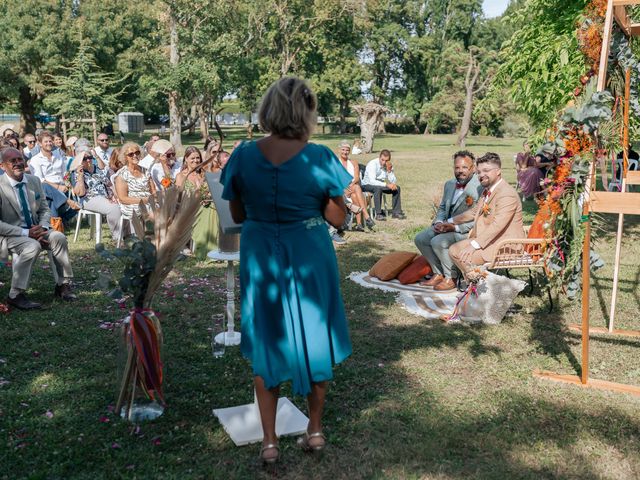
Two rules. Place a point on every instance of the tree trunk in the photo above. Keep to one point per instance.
(250, 126)
(370, 116)
(466, 119)
(344, 109)
(473, 70)
(203, 115)
(175, 115)
(27, 103)
(193, 119)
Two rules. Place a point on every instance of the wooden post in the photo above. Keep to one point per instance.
(95, 130)
(64, 129)
(586, 276)
(606, 42)
(623, 175)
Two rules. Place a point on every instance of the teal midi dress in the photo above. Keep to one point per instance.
(292, 316)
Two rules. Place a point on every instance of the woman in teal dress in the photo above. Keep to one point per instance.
(293, 323)
(205, 231)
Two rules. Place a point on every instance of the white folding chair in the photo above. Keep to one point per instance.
(95, 222)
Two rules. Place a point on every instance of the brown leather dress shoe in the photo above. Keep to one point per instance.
(433, 281)
(23, 303)
(64, 292)
(446, 284)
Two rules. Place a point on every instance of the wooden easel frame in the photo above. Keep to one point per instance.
(92, 121)
(605, 202)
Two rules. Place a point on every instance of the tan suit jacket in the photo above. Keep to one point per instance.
(10, 209)
(502, 221)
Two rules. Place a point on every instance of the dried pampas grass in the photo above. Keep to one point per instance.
(172, 214)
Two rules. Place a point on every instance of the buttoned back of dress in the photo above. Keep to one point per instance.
(292, 191)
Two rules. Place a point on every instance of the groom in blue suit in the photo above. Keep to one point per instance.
(460, 194)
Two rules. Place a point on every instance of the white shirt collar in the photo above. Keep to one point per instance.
(15, 183)
(495, 185)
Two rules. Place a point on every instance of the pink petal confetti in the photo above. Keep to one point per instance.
(35, 354)
(155, 440)
(49, 414)
(104, 419)
(115, 445)
(111, 408)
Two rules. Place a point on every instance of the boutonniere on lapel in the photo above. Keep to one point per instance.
(486, 210)
(468, 201)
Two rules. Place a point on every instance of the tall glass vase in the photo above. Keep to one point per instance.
(139, 398)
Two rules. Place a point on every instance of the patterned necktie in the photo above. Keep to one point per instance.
(104, 157)
(24, 205)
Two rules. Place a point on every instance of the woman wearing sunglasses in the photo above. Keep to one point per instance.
(94, 190)
(133, 185)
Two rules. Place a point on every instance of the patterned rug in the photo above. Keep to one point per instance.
(413, 298)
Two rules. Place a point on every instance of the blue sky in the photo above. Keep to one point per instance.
(494, 8)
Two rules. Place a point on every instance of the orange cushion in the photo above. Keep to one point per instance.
(389, 266)
(415, 271)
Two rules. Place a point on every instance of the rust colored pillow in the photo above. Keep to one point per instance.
(415, 271)
(389, 266)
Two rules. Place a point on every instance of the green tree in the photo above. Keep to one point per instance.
(33, 45)
(83, 91)
(542, 63)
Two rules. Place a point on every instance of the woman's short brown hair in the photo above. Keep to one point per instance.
(288, 109)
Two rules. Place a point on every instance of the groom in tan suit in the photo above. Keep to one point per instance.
(25, 231)
(497, 217)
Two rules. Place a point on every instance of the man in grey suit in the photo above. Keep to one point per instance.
(459, 195)
(25, 231)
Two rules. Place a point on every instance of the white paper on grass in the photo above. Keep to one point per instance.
(227, 225)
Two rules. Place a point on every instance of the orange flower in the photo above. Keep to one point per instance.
(486, 211)
(166, 182)
(468, 201)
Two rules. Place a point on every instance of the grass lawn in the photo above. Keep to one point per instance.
(417, 399)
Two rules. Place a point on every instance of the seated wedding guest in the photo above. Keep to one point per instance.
(220, 157)
(207, 143)
(51, 169)
(353, 193)
(25, 230)
(13, 142)
(59, 144)
(459, 195)
(152, 139)
(528, 173)
(357, 147)
(29, 145)
(114, 163)
(544, 159)
(205, 231)
(497, 217)
(166, 167)
(102, 151)
(379, 178)
(132, 184)
(7, 130)
(93, 187)
(293, 320)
